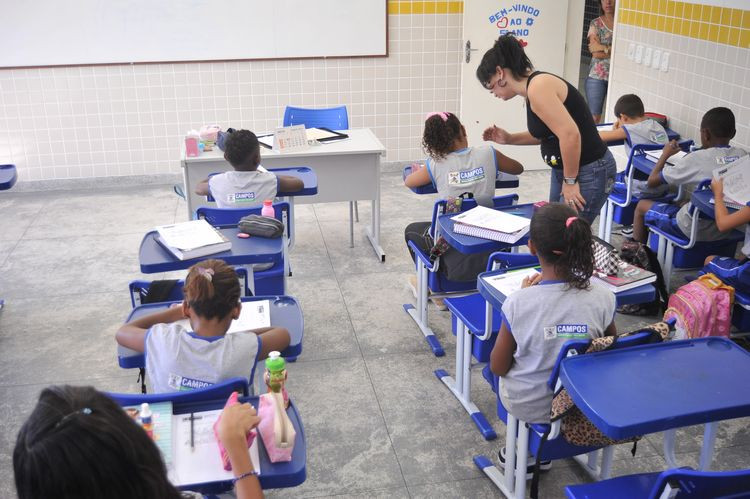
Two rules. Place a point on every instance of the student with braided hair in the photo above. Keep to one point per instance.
(184, 359)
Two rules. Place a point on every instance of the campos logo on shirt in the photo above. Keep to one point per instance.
(566, 331)
(659, 137)
(725, 160)
(458, 178)
(241, 197)
(183, 383)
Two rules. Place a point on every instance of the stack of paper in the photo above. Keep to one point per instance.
(736, 176)
(491, 224)
(192, 239)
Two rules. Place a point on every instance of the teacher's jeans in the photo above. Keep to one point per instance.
(595, 180)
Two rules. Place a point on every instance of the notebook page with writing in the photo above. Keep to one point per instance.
(510, 282)
(189, 235)
(254, 315)
(736, 176)
(655, 155)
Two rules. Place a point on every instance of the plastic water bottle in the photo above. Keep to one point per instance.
(275, 375)
(268, 211)
(147, 419)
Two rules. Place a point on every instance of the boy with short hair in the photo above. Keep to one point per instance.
(717, 129)
(632, 125)
(248, 185)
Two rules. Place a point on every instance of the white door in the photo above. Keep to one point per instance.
(542, 25)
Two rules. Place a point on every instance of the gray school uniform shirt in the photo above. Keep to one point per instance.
(179, 360)
(472, 169)
(688, 172)
(541, 319)
(234, 189)
(646, 132)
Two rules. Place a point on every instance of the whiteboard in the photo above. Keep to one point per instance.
(79, 32)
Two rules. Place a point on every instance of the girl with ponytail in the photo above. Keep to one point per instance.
(557, 305)
(558, 119)
(179, 358)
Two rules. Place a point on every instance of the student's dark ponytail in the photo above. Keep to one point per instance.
(564, 240)
(507, 52)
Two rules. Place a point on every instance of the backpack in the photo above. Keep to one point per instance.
(702, 307)
(642, 256)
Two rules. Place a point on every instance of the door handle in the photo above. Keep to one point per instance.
(468, 50)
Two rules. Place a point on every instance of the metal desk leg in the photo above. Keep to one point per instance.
(351, 224)
(419, 314)
(251, 279)
(669, 439)
(707, 451)
(602, 218)
(608, 221)
(356, 212)
(461, 387)
(373, 232)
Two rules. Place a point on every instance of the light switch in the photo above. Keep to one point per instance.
(656, 59)
(665, 62)
(638, 54)
(631, 51)
(647, 56)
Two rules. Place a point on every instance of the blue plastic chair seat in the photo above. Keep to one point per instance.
(695, 257)
(471, 311)
(621, 487)
(8, 176)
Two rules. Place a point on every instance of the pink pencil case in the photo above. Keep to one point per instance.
(232, 400)
(275, 428)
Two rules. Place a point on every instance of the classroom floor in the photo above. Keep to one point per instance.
(377, 421)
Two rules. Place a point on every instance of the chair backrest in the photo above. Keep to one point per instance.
(697, 484)
(218, 391)
(333, 118)
(231, 216)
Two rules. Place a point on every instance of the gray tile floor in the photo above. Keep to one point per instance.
(378, 423)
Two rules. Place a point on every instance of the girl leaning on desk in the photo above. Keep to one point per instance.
(78, 443)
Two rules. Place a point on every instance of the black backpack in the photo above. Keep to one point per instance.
(640, 255)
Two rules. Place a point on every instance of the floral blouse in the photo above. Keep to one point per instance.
(599, 68)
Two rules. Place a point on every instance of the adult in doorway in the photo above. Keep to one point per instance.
(558, 119)
(600, 46)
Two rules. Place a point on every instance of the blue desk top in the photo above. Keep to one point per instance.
(641, 294)
(643, 163)
(502, 181)
(651, 388)
(469, 244)
(154, 257)
(702, 201)
(8, 176)
(285, 312)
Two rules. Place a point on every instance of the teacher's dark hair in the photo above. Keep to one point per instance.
(508, 53)
(78, 443)
(566, 246)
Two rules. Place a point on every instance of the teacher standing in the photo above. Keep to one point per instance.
(558, 119)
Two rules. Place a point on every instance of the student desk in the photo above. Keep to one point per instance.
(702, 200)
(347, 170)
(272, 475)
(667, 386)
(502, 181)
(154, 257)
(285, 312)
(469, 244)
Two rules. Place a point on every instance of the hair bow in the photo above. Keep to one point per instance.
(442, 114)
(207, 273)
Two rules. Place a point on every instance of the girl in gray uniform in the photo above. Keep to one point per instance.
(454, 168)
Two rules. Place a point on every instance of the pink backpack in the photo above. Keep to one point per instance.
(702, 307)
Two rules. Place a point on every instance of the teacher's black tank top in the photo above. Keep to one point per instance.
(592, 147)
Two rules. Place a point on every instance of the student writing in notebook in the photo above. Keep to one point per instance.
(246, 186)
(454, 169)
(179, 358)
(78, 443)
(557, 305)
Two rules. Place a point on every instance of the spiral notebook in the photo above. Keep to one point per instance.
(495, 225)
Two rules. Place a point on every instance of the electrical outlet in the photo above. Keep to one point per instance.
(638, 54)
(631, 51)
(656, 59)
(665, 62)
(647, 56)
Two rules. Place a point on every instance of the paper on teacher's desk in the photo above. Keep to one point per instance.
(202, 463)
(254, 315)
(487, 218)
(510, 282)
(736, 176)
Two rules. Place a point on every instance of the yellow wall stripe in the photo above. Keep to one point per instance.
(704, 22)
(425, 7)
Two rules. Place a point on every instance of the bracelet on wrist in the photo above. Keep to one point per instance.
(244, 475)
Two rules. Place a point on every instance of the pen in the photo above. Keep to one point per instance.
(192, 432)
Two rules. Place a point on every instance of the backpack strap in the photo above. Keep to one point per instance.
(661, 286)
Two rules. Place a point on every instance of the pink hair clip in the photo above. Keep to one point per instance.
(569, 221)
(207, 273)
(442, 114)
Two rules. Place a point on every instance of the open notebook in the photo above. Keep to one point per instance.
(254, 315)
(491, 224)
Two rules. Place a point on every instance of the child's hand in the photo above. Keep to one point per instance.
(670, 149)
(496, 134)
(236, 422)
(616, 125)
(531, 280)
(717, 185)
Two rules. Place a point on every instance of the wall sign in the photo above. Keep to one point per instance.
(517, 19)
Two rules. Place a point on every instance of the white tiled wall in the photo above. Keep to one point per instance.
(702, 74)
(82, 122)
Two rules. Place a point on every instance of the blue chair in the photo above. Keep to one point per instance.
(523, 440)
(676, 483)
(267, 282)
(690, 252)
(8, 177)
(429, 280)
(471, 316)
(333, 118)
(620, 205)
(139, 289)
(218, 391)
